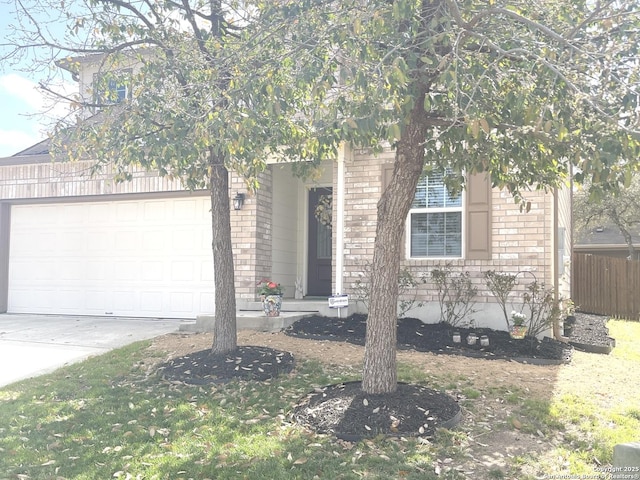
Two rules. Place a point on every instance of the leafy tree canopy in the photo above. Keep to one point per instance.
(204, 76)
(620, 210)
(523, 90)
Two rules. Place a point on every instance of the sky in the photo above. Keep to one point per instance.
(25, 112)
(20, 123)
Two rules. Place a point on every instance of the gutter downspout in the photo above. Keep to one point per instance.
(554, 270)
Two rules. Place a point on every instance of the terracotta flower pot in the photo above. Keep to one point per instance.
(518, 331)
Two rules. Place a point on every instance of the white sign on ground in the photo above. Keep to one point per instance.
(339, 301)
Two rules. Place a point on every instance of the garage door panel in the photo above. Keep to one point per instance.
(185, 211)
(152, 271)
(21, 272)
(75, 213)
(30, 241)
(206, 271)
(154, 240)
(21, 298)
(183, 240)
(181, 271)
(69, 299)
(124, 301)
(70, 241)
(47, 215)
(99, 271)
(139, 258)
(127, 271)
(151, 302)
(99, 210)
(99, 241)
(72, 270)
(207, 299)
(154, 212)
(127, 240)
(127, 212)
(98, 301)
(182, 301)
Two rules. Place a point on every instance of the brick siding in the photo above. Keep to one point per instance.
(521, 241)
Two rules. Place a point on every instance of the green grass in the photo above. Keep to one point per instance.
(108, 417)
(589, 430)
(626, 334)
(104, 418)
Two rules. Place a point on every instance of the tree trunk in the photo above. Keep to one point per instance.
(224, 326)
(629, 241)
(380, 372)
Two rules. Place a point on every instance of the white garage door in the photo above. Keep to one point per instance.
(144, 258)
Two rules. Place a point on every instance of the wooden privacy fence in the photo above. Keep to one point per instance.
(606, 285)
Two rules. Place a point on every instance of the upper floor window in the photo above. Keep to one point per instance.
(434, 226)
(111, 88)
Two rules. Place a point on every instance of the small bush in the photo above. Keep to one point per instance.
(543, 309)
(407, 290)
(501, 285)
(456, 295)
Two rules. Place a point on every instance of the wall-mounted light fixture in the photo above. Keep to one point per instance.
(238, 201)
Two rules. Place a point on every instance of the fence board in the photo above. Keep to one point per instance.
(606, 285)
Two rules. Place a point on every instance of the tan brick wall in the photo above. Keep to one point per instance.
(521, 241)
(251, 233)
(54, 180)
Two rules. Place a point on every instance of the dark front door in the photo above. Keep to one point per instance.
(320, 244)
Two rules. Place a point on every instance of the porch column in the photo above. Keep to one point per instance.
(343, 152)
(5, 225)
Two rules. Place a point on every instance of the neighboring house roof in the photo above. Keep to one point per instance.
(605, 235)
(38, 153)
(40, 148)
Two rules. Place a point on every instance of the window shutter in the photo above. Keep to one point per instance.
(478, 211)
(387, 173)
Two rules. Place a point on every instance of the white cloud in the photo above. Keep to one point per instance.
(27, 112)
(24, 89)
(36, 99)
(14, 141)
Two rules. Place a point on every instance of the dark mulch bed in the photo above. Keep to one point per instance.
(246, 363)
(347, 412)
(438, 338)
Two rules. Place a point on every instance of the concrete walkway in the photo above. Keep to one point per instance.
(31, 345)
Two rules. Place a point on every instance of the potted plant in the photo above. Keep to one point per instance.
(518, 329)
(271, 294)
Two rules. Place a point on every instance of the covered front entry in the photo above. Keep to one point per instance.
(140, 257)
(319, 267)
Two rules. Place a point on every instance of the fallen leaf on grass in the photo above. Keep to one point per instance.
(300, 461)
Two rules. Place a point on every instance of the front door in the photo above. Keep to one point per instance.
(320, 244)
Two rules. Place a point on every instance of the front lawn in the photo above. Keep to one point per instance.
(113, 417)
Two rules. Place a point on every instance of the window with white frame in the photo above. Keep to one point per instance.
(112, 88)
(434, 226)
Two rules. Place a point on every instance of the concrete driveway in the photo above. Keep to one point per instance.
(31, 345)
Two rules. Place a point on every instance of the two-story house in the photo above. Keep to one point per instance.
(72, 243)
